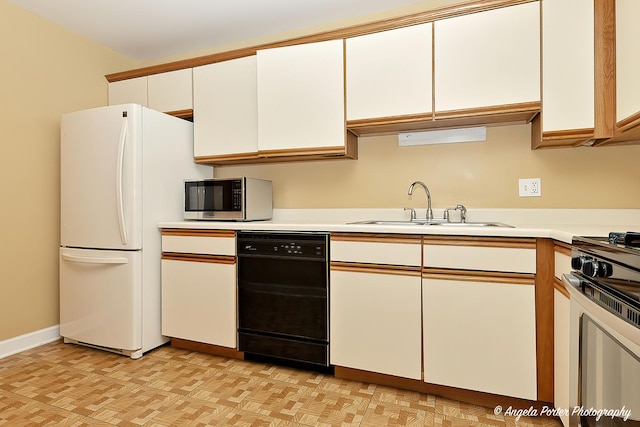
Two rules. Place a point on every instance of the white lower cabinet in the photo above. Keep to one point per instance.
(480, 335)
(374, 303)
(199, 301)
(375, 322)
(199, 296)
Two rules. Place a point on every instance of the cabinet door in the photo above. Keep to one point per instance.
(131, 91)
(225, 113)
(171, 91)
(199, 301)
(301, 96)
(561, 328)
(567, 64)
(375, 322)
(389, 73)
(480, 336)
(225, 117)
(488, 58)
(627, 59)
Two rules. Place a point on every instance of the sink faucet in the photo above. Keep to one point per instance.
(429, 215)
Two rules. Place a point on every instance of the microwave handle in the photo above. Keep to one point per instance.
(119, 181)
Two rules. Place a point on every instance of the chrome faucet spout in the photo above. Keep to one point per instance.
(429, 215)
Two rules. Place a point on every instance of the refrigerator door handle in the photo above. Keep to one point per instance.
(95, 260)
(119, 178)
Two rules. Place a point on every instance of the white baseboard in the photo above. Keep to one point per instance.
(32, 339)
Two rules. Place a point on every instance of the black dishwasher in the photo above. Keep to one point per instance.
(283, 296)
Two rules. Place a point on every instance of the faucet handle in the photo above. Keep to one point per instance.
(463, 213)
(413, 213)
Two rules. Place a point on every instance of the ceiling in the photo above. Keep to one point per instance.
(150, 29)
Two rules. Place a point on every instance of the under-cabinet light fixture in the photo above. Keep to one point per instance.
(446, 136)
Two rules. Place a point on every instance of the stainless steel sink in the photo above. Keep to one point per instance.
(434, 222)
(474, 224)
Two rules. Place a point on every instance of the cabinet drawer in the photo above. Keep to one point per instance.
(389, 250)
(503, 256)
(212, 243)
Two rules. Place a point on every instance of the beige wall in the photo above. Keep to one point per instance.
(477, 174)
(45, 71)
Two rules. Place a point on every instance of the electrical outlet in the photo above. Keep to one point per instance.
(530, 187)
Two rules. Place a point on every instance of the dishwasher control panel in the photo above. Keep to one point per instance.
(311, 245)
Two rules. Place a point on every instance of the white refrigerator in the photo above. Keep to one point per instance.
(122, 171)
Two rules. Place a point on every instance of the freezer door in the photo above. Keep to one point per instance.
(101, 178)
(101, 297)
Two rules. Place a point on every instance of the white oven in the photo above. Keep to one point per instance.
(605, 334)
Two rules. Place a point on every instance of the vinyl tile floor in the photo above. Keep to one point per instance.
(67, 385)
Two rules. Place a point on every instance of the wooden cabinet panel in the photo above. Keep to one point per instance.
(170, 91)
(301, 97)
(225, 108)
(488, 58)
(389, 73)
(199, 301)
(375, 322)
(480, 336)
(132, 91)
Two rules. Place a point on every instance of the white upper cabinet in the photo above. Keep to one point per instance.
(131, 91)
(171, 91)
(166, 92)
(488, 58)
(627, 59)
(301, 96)
(225, 108)
(389, 73)
(567, 64)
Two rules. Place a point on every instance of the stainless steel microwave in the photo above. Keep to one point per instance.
(228, 199)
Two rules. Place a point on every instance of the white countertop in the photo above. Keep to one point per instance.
(557, 224)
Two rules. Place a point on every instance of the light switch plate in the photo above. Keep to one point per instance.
(530, 187)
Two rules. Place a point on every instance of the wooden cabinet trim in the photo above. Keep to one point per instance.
(375, 268)
(480, 398)
(341, 33)
(545, 277)
(478, 276)
(214, 259)
(348, 151)
(605, 75)
(527, 109)
(514, 113)
(560, 287)
(217, 350)
(628, 123)
(489, 242)
(376, 238)
(562, 248)
(198, 233)
(182, 114)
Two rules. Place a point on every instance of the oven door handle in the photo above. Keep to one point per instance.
(572, 280)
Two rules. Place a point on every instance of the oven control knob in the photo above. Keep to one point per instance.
(590, 268)
(578, 261)
(605, 269)
(593, 268)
